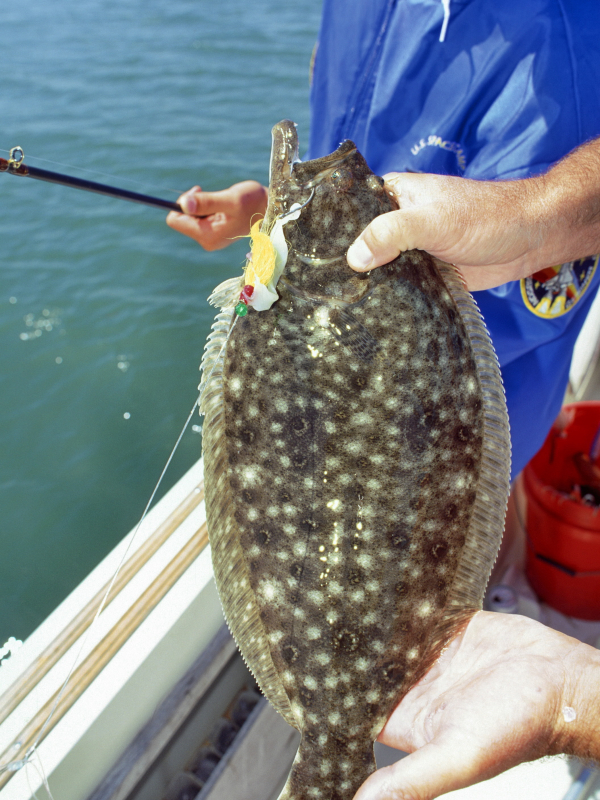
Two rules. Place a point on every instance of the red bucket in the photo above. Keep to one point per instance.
(563, 531)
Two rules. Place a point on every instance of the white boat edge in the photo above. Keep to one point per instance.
(122, 697)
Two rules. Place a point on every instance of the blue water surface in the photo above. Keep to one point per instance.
(103, 312)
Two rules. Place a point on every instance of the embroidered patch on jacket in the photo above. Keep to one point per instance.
(553, 291)
(443, 144)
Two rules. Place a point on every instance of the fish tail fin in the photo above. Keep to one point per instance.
(333, 770)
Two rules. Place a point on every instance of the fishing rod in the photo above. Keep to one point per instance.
(15, 166)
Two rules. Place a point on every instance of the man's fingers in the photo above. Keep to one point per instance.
(382, 241)
(197, 203)
(200, 229)
(190, 226)
(427, 773)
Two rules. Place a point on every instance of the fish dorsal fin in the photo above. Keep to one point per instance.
(229, 560)
(224, 296)
(487, 519)
(213, 358)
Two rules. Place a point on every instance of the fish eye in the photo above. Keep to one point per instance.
(374, 182)
(341, 179)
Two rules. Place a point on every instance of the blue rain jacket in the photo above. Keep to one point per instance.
(513, 87)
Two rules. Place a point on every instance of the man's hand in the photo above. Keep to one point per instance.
(215, 219)
(495, 698)
(493, 231)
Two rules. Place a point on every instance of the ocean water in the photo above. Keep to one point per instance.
(103, 312)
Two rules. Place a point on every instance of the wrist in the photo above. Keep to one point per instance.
(577, 730)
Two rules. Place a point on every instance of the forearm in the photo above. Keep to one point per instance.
(562, 209)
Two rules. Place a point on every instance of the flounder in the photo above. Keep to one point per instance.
(356, 458)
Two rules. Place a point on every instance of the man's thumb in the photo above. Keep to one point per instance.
(429, 772)
(381, 242)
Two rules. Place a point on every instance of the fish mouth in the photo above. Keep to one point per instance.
(284, 151)
(291, 180)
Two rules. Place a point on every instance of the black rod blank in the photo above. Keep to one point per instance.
(89, 186)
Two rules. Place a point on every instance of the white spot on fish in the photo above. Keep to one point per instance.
(322, 316)
(354, 447)
(310, 682)
(235, 385)
(249, 476)
(425, 609)
(271, 590)
(362, 418)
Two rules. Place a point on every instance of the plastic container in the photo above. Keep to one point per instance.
(563, 534)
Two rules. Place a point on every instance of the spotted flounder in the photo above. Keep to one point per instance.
(356, 458)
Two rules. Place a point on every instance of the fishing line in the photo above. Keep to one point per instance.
(15, 766)
(41, 774)
(31, 790)
(110, 175)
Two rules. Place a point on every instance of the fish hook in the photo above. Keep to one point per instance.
(298, 208)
